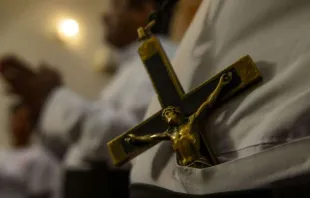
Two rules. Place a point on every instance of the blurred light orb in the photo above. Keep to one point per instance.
(68, 28)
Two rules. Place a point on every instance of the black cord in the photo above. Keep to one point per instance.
(162, 15)
(160, 11)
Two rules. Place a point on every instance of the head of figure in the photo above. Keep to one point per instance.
(20, 125)
(125, 17)
(173, 116)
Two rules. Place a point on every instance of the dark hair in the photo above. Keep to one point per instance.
(164, 10)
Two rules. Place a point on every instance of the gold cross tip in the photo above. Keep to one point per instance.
(145, 32)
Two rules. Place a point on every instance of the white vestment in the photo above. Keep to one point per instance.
(28, 171)
(261, 136)
(85, 126)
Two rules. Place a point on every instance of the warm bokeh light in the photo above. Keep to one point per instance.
(68, 28)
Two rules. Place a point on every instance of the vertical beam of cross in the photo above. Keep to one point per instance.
(163, 77)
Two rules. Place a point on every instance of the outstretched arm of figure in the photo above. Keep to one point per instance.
(133, 139)
(224, 80)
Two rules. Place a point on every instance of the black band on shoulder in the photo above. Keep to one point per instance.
(149, 191)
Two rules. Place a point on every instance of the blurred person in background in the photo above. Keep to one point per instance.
(26, 170)
(59, 112)
(84, 127)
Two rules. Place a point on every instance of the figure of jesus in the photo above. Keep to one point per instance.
(182, 131)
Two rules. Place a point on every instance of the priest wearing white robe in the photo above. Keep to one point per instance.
(260, 137)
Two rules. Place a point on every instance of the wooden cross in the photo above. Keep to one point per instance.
(170, 93)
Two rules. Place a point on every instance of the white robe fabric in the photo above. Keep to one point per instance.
(274, 116)
(86, 127)
(28, 171)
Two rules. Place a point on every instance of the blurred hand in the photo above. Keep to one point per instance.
(32, 87)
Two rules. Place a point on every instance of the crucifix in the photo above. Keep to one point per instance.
(178, 120)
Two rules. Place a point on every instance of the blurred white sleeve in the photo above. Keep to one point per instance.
(44, 176)
(88, 126)
(61, 113)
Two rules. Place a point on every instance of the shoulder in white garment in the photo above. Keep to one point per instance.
(275, 113)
